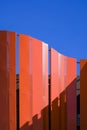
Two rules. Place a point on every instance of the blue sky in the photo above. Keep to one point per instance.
(61, 24)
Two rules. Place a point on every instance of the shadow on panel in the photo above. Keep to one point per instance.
(58, 112)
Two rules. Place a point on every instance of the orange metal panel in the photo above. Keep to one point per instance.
(62, 84)
(33, 88)
(12, 78)
(54, 88)
(71, 94)
(7, 80)
(37, 76)
(39, 84)
(54, 74)
(63, 92)
(25, 100)
(45, 85)
(67, 85)
(83, 94)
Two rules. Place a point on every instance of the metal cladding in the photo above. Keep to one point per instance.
(63, 92)
(7, 80)
(24, 81)
(71, 102)
(54, 90)
(33, 84)
(45, 100)
(83, 94)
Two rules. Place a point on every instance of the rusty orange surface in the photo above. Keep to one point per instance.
(7, 80)
(83, 94)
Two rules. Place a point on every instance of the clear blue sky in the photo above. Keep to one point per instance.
(60, 23)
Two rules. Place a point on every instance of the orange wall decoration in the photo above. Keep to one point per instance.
(7, 80)
(83, 94)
